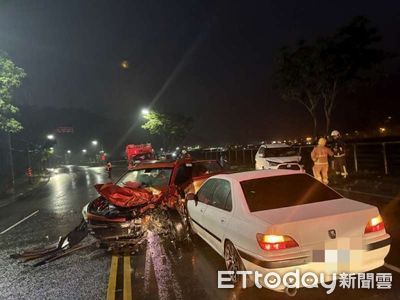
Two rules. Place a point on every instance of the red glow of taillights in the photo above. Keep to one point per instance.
(374, 225)
(275, 242)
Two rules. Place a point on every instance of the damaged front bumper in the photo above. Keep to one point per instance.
(119, 229)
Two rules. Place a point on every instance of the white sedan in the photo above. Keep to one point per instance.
(277, 156)
(280, 220)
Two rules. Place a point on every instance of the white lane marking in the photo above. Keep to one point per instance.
(19, 222)
(391, 267)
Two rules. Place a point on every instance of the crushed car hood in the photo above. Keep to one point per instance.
(285, 159)
(127, 196)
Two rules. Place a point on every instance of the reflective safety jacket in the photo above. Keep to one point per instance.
(320, 155)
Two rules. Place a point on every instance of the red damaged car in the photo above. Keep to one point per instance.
(150, 196)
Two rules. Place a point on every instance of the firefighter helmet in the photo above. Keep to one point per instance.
(335, 133)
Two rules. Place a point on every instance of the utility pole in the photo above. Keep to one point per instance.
(29, 156)
(11, 159)
(29, 165)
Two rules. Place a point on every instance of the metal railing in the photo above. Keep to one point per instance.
(375, 158)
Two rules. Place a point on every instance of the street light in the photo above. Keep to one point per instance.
(69, 151)
(50, 137)
(84, 150)
(124, 64)
(145, 111)
(94, 143)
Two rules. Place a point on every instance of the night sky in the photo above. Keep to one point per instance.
(212, 60)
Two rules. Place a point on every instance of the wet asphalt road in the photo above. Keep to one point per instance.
(159, 272)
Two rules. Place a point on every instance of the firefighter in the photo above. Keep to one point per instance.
(339, 154)
(109, 169)
(320, 155)
(223, 161)
(184, 154)
(131, 165)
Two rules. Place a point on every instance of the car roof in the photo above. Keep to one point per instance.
(243, 176)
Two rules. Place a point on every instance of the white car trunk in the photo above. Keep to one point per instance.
(309, 224)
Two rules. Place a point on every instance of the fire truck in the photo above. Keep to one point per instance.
(141, 152)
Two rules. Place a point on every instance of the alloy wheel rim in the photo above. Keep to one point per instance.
(232, 262)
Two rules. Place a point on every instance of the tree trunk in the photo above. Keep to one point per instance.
(311, 105)
(329, 102)
(315, 123)
(164, 141)
(327, 123)
(328, 106)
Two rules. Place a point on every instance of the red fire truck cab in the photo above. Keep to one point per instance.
(139, 152)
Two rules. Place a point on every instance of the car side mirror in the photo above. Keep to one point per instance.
(192, 197)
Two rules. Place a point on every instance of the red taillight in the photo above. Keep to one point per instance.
(275, 242)
(374, 225)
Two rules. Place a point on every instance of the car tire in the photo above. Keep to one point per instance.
(194, 237)
(178, 230)
(233, 262)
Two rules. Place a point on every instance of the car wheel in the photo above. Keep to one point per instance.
(233, 261)
(177, 227)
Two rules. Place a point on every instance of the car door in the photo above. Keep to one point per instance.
(183, 179)
(196, 209)
(218, 214)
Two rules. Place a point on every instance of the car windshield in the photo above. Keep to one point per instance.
(151, 177)
(281, 152)
(284, 191)
(206, 167)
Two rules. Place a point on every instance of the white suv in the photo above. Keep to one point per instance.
(277, 156)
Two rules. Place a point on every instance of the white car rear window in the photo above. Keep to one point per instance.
(283, 191)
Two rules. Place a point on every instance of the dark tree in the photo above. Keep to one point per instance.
(318, 72)
(297, 78)
(172, 128)
(346, 59)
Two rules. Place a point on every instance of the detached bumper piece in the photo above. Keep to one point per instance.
(65, 246)
(118, 228)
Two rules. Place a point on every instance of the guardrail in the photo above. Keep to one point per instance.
(374, 158)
